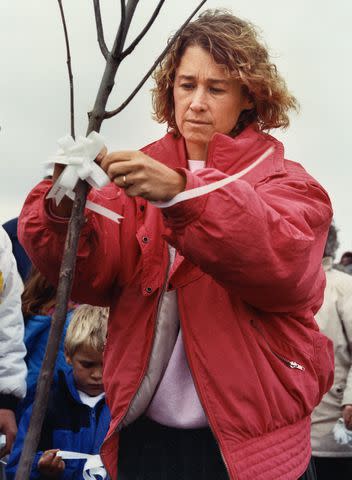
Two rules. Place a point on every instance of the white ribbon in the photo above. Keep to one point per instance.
(79, 157)
(342, 435)
(93, 466)
(210, 187)
(2, 440)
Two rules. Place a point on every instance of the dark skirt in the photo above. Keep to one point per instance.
(333, 468)
(150, 451)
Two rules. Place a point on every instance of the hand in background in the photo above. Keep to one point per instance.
(8, 427)
(347, 416)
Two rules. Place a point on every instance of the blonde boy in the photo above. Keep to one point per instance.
(77, 418)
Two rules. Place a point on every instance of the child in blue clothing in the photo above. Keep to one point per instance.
(77, 417)
(38, 304)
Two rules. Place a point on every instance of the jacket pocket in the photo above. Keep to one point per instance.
(291, 381)
(290, 363)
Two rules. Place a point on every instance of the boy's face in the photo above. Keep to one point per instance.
(87, 365)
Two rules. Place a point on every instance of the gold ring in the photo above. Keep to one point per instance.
(124, 179)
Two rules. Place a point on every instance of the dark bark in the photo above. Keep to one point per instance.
(143, 32)
(69, 69)
(100, 30)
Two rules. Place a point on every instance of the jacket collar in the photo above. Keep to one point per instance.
(66, 381)
(229, 155)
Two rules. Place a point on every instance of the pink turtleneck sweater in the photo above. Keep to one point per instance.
(175, 402)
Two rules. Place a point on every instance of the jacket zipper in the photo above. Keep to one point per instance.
(289, 363)
(200, 396)
(151, 349)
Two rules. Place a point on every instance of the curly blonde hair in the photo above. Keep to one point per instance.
(234, 44)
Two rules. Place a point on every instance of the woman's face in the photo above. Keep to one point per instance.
(207, 100)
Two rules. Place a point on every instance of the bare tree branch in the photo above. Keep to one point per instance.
(96, 116)
(59, 316)
(127, 13)
(69, 68)
(143, 32)
(122, 22)
(123, 105)
(100, 30)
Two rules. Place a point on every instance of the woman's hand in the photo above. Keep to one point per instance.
(50, 464)
(347, 416)
(141, 175)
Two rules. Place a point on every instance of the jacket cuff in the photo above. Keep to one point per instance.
(185, 212)
(54, 222)
(8, 402)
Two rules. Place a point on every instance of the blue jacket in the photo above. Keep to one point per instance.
(68, 425)
(35, 338)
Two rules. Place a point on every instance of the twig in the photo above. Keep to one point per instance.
(96, 116)
(112, 113)
(69, 68)
(143, 32)
(122, 22)
(127, 12)
(100, 31)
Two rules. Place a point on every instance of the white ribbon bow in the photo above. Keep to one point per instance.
(79, 157)
(93, 466)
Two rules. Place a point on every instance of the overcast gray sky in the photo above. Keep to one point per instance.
(310, 41)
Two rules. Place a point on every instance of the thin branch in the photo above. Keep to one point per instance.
(69, 68)
(100, 30)
(96, 116)
(122, 22)
(143, 32)
(123, 105)
(127, 13)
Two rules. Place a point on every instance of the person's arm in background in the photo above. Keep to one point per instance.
(344, 307)
(13, 370)
(22, 259)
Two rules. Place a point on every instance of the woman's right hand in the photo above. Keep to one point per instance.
(50, 464)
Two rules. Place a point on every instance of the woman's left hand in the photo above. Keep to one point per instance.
(141, 175)
(347, 416)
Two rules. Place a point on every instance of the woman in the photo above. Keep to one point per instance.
(213, 361)
(333, 459)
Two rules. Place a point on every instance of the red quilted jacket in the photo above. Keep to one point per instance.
(248, 278)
